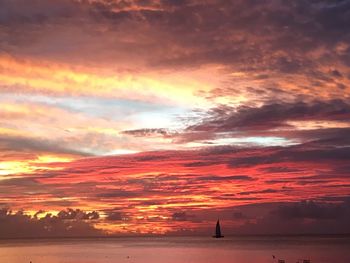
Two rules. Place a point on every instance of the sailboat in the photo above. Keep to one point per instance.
(218, 230)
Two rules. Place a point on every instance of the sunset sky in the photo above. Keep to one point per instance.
(133, 117)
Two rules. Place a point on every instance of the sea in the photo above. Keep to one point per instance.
(251, 249)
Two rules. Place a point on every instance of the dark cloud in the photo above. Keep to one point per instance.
(20, 182)
(146, 132)
(299, 153)
(151, 157)
(21, 12)
(280, 170)
(119, 193)
(201, 164)
(183, 216)
(336, 73)
(115, 216)
(77, 214)
(67, 224)
(305, 217)
(225, 178)
(32, 145)
(211, 32)
(264, 191)
(312, 210)
(269, 116)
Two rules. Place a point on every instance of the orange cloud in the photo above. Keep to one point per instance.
(30, 76)
(144, 190)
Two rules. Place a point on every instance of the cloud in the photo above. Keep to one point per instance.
(69, 223)
(299, 153)
(306, 217)
(115, 216)
(225, 178)
(311, 210)
(270, 116)
(265, 191)
(36, 146)
(167, 191)
(234, 33)
(146, 132)
(183, 216)
(77, 214)
(119, 193)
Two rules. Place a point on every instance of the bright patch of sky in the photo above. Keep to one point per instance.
(247, 141)
(145, 114)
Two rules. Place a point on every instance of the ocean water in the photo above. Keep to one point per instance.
(177, 250)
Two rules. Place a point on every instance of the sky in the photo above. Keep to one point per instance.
(147, 117)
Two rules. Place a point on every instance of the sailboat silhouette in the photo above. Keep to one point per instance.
(218, 230)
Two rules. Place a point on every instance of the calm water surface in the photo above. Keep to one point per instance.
(177, 249)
